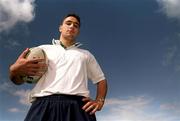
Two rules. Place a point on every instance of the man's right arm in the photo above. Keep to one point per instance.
(23, 66)
(14, 76)
(16, 69)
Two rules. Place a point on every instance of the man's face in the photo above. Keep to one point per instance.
(70, 28)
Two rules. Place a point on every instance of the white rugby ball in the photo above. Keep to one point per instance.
(35, 53)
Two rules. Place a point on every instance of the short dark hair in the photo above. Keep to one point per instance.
(73, 15)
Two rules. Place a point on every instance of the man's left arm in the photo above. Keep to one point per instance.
(101, 93)
(96, 105)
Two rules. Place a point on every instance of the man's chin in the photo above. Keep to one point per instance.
(70, 37)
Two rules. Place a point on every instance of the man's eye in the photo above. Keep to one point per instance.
(68, 23)
(76, 25)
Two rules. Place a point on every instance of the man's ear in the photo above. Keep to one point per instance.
(60, 28)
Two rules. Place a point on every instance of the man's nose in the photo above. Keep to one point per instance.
(72, 25)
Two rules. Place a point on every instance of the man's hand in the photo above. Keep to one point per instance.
(92, 105)
(23, 66)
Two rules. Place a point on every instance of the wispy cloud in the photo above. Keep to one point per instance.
(170, 55)
(169, 107)
(14, 110)
(7, 87)
(13, 90)
(23, 96)
(138, 108)
(14, 11)
(10, 44)
(16, 92)
(170, 7)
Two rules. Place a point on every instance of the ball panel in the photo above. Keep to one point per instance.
(31, 79)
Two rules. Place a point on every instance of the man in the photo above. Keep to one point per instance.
(63, 94)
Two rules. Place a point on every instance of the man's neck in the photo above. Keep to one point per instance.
(67, 42)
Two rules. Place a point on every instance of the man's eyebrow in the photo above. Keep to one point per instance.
(72, 22)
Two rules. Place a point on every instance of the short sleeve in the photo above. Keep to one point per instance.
(94, 71)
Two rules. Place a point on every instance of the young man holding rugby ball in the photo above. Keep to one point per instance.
(63, 94)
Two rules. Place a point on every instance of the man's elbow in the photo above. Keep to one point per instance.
(16, 80)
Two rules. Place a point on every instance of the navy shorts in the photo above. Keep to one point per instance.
(58, 108)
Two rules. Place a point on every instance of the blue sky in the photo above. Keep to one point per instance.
(137, 44)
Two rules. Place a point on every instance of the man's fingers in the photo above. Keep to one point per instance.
(35, 72)
(24, 53)
(94, 110)
(86, 106)
(91, 106)
(86, 99)
(37, 65)
(37, 61)
(35, 69)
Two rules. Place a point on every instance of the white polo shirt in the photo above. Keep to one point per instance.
(68, 72)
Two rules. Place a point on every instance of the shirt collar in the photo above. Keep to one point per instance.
(58, 42)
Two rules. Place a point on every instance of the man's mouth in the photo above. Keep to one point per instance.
(71, 31)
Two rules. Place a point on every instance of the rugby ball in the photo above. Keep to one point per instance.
(35, 53)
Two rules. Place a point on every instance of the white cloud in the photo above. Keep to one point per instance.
(14, 110)
(14, 43)
(170, 55)
(14, 11)
(139, 108)
(23, 96)
(10, 44)
(170, 7)
(13, 90)
(169, 107)
(138, 101)
(7, 87)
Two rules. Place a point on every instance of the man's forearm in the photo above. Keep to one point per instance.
(97, 104)
(101, 90)
(14, 76)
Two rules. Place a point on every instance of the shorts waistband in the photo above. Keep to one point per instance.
(61, 96)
